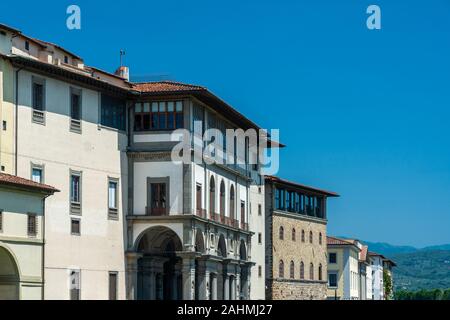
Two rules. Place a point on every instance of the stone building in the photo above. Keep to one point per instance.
(296, 247)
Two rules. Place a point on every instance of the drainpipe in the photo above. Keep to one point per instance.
(43, 249)
(16, 133)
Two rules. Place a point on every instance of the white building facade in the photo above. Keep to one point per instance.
(128, 222)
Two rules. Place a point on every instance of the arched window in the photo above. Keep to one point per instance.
(232, 213)
(281, 233)
(320, 238)
(310, 237)
(311, 271)
(222, 201)
(320, 272)
(281, 269)
(302, 270)
(293, 234)
(292, 270)
(212, 197)
(303, 235)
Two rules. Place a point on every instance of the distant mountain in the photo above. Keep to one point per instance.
(441, 247)
(388, 249)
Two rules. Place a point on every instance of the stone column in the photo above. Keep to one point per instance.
(233, 287)
(213, 287)
(132, 275)
(238, 283)
(204, 285)
(226, 287)
(188, 273)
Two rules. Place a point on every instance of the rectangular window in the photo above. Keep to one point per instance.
(4, 126)
(260, 238)
(259, 210)
(1, 220)
(332, 280)
(32, 225)
(37, 174)
(113, 286)
(332, 258)
(75, 292)
(158, 199)
(27, 45)
(75, 228)
(112, 197)
(75, 192)
(38, 100)
(162, 115)
(259, 271)
(243, 222)
(113, 112)
(75, 110)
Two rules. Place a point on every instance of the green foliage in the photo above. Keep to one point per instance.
(387, 280)
(426, 270)
(435, 294)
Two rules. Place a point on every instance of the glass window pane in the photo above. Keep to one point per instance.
(170, 106)
(112, 195)
(36, 175)
(138, 107)
(162, 107)
(154, 106)
(147, 107)
(179, 106)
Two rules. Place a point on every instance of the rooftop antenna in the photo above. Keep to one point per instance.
(122, 53)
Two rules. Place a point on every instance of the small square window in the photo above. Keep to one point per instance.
(2, 168)
(332, 258)
(75, 227)
(37, 174)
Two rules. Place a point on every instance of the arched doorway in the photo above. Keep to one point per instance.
(159, 269)
(9, 276)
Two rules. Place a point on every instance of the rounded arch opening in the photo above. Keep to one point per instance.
(9, 275)
(242, 251)
(222, 247)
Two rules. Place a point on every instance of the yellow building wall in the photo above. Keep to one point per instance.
(338, 268)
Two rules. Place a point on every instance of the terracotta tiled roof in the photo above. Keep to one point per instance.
(10, 180)
(338, 241)
(301, 186)
(363, 253)
(165, 86)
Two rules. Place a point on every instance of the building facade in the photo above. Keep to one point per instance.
(22, 219)
(296, 248)
(343, 269)
(128, 222)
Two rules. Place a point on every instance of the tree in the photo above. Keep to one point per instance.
(387, 285)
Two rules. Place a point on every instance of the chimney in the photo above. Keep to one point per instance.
(123, 72)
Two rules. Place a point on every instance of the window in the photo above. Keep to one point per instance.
(1, 220)
(320, 238)
(222, 201)
(2, 168)
(292, 270)
(320, 272)
(310, 237)
(75, 110)
(37, 174)
(232, 210)
(74, 285)
(311, 271)
(4, 126)
(32, 225)
(112, 112)
(332, 280)
(38, 100)
(259, 271)
(281, 269)
(281, 233)
(27, 45)
(303, 236)
(243, 223)
(66, 59)
(75, 227)
(112, 197)
(75, 192)
(162, 115)
(293, 234)
(198, 199)
(332, 258)
(259, 210)
(158, 199)
(302, 270)
(260, 238)
(212, 197)
(113, 286)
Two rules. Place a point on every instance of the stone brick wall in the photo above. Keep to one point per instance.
(298, 290)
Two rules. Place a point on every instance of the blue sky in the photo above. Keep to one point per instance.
(363, 113)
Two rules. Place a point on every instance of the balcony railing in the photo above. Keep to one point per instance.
(156, 211)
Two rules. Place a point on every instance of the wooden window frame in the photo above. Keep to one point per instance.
(158, 211)
(32, 225)
(157, 114)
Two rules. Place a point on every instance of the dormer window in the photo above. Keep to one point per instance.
(27, 45)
